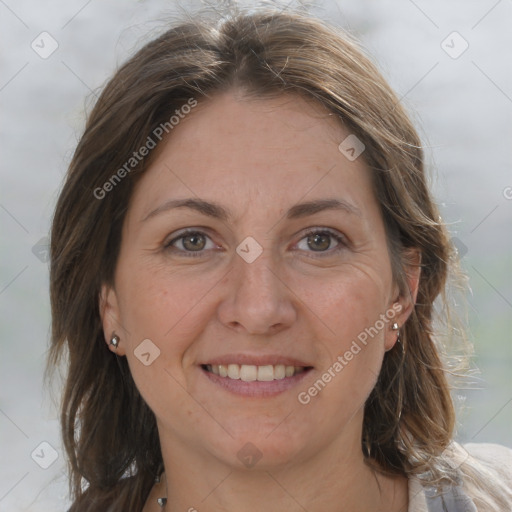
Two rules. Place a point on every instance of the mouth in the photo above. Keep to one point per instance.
(255, 380)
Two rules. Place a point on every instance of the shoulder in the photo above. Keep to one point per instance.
(484, 475)
(485, 472)
(493, 455)
(491, 460)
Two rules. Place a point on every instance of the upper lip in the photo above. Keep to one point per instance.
(255, 360)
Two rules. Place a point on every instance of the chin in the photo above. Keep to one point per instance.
(261, 445)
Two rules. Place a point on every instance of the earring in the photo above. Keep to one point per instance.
(114, 341)
(397, 329)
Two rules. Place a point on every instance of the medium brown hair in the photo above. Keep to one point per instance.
(109, 432)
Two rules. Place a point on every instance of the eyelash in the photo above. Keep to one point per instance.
(342, 242)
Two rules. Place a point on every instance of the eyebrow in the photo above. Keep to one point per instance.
(217, 211)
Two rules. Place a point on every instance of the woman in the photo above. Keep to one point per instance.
(245, 257)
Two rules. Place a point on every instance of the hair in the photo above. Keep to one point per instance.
(109, 432)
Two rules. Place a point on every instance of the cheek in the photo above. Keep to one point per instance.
(162, 307)
(169, 309)
(349, 303)
(353, 310)
(157, 303)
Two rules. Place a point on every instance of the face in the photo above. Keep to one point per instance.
(252, 246)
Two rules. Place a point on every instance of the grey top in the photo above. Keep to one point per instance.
(454, 500)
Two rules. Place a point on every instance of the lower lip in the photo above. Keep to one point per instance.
(256, 388)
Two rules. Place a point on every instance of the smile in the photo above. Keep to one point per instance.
(257, 381)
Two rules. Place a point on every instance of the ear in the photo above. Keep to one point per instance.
(405, 301)
(110, 318)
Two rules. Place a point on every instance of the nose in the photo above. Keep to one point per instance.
(257, 300)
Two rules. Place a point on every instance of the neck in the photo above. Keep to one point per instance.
(334, 480)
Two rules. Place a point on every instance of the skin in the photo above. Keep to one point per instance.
(257, 158)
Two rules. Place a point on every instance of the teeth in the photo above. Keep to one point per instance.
(265, 373)
(279, 371)
(250, 373)
(233, 371)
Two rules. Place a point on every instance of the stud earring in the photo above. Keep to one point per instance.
(114, 341)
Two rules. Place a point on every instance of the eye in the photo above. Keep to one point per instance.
(194, 243)
(190, 243)
(322, 241)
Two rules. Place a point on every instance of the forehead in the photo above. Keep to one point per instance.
(265, 151)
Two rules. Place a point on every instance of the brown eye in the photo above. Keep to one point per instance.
(190, 243)
(194, 242)
(319, 241)
(322, 241)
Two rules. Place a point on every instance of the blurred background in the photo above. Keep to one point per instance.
(446, 60)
